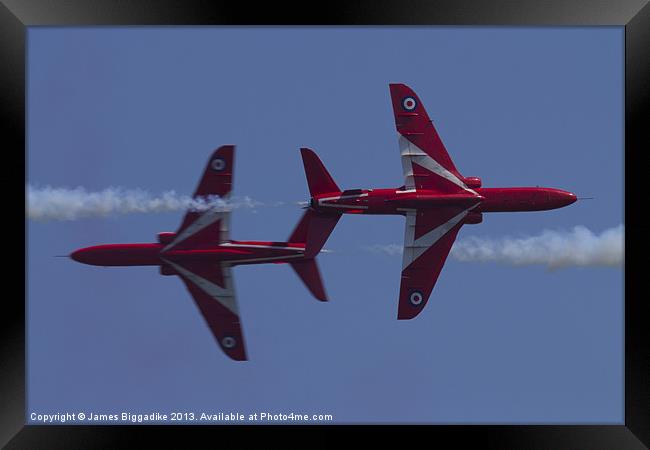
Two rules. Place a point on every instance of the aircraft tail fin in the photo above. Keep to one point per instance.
(318, 178)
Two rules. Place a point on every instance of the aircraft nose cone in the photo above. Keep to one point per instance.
(77, 255)
(81, 256)
(569, 197)
(560, 198)
(557, 198)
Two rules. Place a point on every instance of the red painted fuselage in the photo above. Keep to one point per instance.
(233, 252)
(397, 201)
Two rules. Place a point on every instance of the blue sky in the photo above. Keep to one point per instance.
(144, 108)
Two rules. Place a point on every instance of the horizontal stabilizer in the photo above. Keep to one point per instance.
(313, 230)
(320, 228)
(309, 274)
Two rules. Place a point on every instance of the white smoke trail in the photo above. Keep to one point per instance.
(554, 249)
(386, 249)
(49, 203)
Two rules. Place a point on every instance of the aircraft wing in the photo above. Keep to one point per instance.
(425, 161)
(210, 226)
(428, 238)
(211, 287)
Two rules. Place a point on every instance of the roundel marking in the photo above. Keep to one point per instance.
(229, 341)
(416, 298)
(218, 164)
(409, 103)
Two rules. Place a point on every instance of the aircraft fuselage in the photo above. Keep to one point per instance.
(153, 254)
(397, 201)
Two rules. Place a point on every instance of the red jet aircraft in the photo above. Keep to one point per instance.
(201, 253)
(436, 199)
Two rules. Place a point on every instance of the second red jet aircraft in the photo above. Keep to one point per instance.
(201, 254)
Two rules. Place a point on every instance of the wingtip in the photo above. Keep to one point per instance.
(408, 313)
(238, 355)
(399, 86)
(402, 317)
(225, 151)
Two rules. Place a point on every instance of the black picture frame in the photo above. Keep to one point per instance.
(634, 15)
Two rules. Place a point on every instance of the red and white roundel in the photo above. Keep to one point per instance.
(229, 342)
(218, 164)
(409, 103)
(416, 298)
